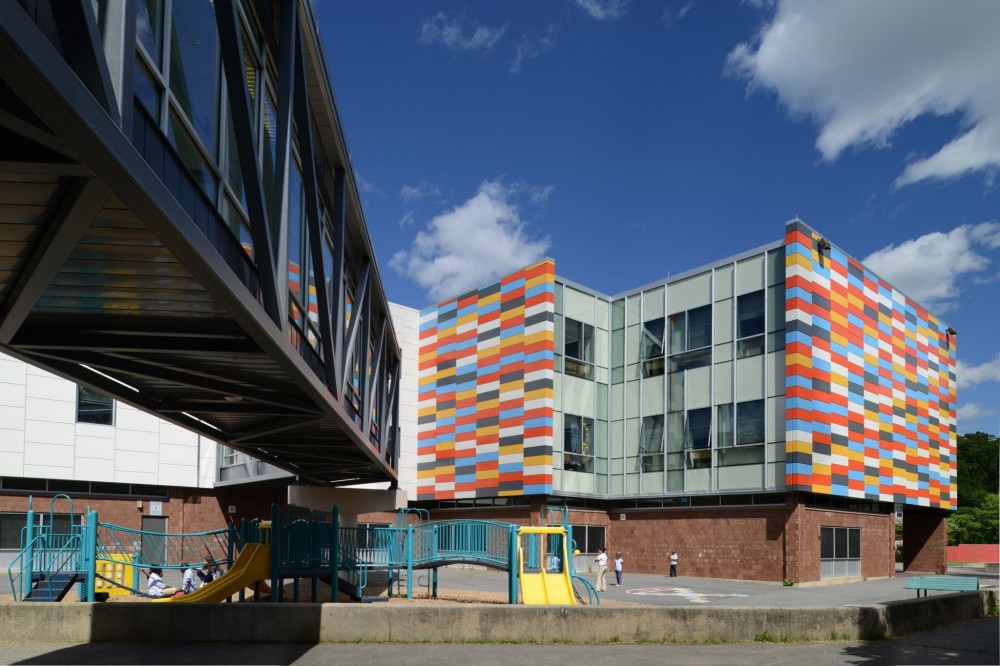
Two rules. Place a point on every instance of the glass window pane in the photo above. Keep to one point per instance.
(193, 66)
(826, 543)
(750, 314)
(678, 326)
(854, 543)
(652, 347)
(724, 414)
(294, 232)
(270, 153)
(840, 543)
(147, 91)
(192, 158)
(149, 27)
(93, 407)
(699, 427)
(750, 422)
(699, 327)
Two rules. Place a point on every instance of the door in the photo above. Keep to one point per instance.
(153, 549)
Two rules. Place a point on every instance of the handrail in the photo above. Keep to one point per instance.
(176, 549)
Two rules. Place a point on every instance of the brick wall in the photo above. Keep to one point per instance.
(877, 541)
(925, 540)
(742, 543)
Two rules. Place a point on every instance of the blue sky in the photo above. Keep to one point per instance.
(629, 140)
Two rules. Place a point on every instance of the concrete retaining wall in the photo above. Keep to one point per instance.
(314, 623)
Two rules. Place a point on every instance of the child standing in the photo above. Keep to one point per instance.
(619, 565)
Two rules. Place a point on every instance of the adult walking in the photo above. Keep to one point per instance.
(619, 566)
(602, 570)
(673, 564)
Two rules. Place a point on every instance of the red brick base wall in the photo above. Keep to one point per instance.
(925, 540)
(877, 541)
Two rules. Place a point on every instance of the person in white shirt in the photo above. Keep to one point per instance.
(602, 570)
(156, 586)
(673, 564)
(619, 566)
(187, 581)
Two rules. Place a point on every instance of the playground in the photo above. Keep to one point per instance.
(289, 557)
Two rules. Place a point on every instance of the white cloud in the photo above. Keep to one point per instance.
(930, 268)
(533, 44)
(471, 244)
(973, 375)
(603, 10)
(408, 219)
(457, 34)
(419, 191)
(971, 411)
(669, 16)
(367, 186)
(862, 70)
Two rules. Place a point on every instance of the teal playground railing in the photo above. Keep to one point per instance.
(47, 554)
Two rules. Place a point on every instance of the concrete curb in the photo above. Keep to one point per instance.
(391, 623)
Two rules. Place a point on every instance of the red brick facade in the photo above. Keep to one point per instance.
(769, 543)
(925, 540)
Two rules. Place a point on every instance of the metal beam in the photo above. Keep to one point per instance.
(81, 47)
(357, 314)
(29, 130)
(123, 343)
(59, 169)
(377, 382)
(314, 224)
(338, 215)
(285, 162)
(271, 428)
(210, 409)
(231, 47)
(79, 207)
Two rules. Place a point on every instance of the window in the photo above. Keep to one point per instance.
(229, 456)
(651, 446)
(839, 552)
(94, 407)
(579, 349)
(588, 538)
(691, 329)
(652, 347)
(698, 428)
(194, 67)
(724, 425)
(750, 324)
(750, 423)
(578, 443)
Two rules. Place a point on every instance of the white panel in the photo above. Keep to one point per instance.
(617, 401)
(143, 442)
(724, 282)
(776, 420)
(617, 485)
(740, 476)
(174, 434)
(136, 476)
(11, 395)
(776, 373)
(652, 304)
(13, 371)
(177, 475)
(12, 463)
(722, 327)
(53, 411)
(698, 479)
(93, 469)
(750, 275)
(603, 314)
(633, 310)
(136, 461)
(633, 343)
(723, 352)
(577, 482)
(632, 437)
(578, 396)
(652, 482)
(11, 441)
(50, 387)
(178, 455)
(617, 442)
(49, 455)
(129, 418)
(95, 447)
(632, 399)
(578, 305)
(602, 351)
(750, 378)
(95, 430)
(698, 387)
(690, 293)
(723, 383)
(12, 417)
(652, 395)
(48, 433)
(48, 472)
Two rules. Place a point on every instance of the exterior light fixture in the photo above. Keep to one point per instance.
(823, 244)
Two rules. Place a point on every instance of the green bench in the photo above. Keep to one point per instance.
(942, 583)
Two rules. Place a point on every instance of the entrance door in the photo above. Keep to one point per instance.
(153, 546)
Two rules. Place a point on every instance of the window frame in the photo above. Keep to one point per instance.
(583, 460)
(80, 388)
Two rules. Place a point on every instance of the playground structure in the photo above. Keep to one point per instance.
(297, 545)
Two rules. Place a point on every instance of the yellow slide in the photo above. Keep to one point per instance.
(251, 565)
(549, 584)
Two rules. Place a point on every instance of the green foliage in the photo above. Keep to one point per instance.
(899, 530)
(978, 468)
(979, 524)
(763, 637)
(788, 582)
(994, 608)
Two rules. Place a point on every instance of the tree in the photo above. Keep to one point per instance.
(979, 524)
(978, 468)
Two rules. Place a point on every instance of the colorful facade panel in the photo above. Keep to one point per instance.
(869, 382)
(485, 390)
